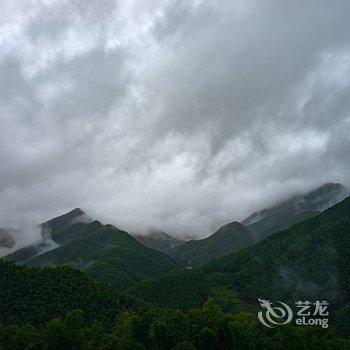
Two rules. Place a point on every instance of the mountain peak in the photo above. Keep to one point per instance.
(327, 189)
(158, 239)
(77, 211)
(232, 225)
(63, 221)
(295, 209)
(227, 239)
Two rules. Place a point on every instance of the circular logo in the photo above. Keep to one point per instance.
(274, 315)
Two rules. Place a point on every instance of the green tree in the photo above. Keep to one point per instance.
(187, 345)
(162, 334)
(207, 339)
(212, 313)
(25, 337)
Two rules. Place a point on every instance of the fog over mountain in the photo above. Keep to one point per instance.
(181, 115)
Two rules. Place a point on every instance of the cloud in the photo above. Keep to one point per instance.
(182, 115)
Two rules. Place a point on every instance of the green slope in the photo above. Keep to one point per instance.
(264, 229)
(36, 295)
(227, 239)
(181, 289)
(62, 222)
(104, 252)
(61, 308)
(310, 260)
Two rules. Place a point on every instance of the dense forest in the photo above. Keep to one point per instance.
(308, 260)
(62, 308)
(102, 289)
(103, 251)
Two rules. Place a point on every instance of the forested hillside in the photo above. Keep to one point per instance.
(46, 307)
(227, 239)
(62, 308)
(38, 294)
(103, 251)
(309, 260)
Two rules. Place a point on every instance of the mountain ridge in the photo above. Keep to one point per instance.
(106, 253)
(309, 259)
(158, 239)
(295, 209)
(230, 237)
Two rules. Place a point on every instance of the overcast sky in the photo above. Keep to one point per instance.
(184, 115)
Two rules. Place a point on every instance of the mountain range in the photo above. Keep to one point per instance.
(91, 283)
(311, 260)
(235, 236)
(115, 255)
(308, 261)
(103, 251)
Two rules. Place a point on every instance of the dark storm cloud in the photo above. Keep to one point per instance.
(239, 69)
(178, 114)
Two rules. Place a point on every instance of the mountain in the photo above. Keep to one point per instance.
(45, 307)
(6, 238)
(308, 261)
(103, 251)
(158, 240)
(58, 224)
(298, 208)
(48, 231)
(227, 239)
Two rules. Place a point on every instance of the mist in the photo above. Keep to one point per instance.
(23, 237)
